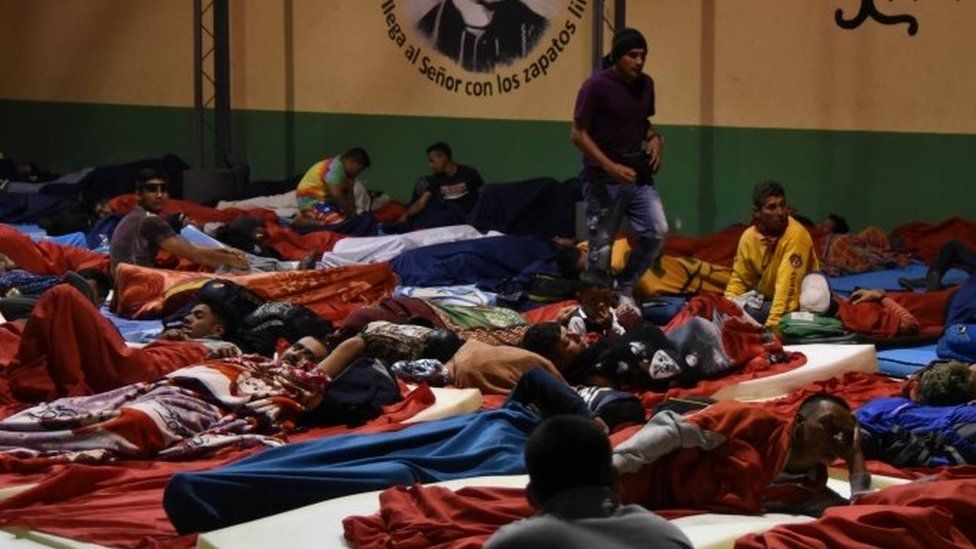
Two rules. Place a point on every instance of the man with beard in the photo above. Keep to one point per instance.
(773, 256)
(480, 34)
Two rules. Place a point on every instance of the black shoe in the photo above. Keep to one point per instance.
(933, 281)
(79, 283)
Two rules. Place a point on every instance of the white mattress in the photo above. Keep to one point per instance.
(824, 361)
(449, 402)
(320, 524)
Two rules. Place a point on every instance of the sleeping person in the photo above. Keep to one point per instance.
(199, 407)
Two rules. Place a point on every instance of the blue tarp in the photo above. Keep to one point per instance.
(295, 475)
(905, 362)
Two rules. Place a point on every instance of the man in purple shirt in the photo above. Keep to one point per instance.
(621, 154)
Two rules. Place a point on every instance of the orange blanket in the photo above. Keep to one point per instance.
(124, 203)
(332, 293)
(718, 248)
(925, 239)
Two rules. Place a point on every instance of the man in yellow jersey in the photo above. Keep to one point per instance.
(773, 256)
(325, 194)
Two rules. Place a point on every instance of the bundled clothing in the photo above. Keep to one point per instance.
(191, 410)
(773, 267)
(868, 250)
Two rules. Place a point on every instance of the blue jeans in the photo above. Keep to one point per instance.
(607, 203)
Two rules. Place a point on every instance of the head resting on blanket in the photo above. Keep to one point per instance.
(551, 472)
(553, 342)
(946, 384)
(823, 431)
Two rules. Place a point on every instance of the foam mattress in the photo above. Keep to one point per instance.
(824, 361)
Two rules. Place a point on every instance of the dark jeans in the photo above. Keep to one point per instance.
(607, 203)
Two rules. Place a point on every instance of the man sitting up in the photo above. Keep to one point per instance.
(325, 194)
(578, 498)
(773, 256)
(142, 233)
(447, 196)
(735, 457)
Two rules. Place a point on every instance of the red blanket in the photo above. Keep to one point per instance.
(421, 517)
(293, 246)
(120, 505)
(925, 239)
(919, 515)
(874, 319)
(124, 204)
(47, 258)
(716, 248)
(331, 293)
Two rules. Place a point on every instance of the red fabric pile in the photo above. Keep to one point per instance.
(925, 239)
(47, 258)
(331, 293)
(124, 203)
(718, 248)
(120, 505)
(293, 246)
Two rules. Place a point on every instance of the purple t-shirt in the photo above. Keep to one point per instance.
(137, 237)
(616, 115)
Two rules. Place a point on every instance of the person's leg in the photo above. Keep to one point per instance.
(550, 395)
(650, 225)
(17, 308)
(952, 254)
(603, 216)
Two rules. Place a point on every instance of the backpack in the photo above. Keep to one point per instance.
(357, 395)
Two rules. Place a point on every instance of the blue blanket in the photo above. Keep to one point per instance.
(296, 475)
(487, 262)
(541, 206)
(906, 434)
(888, 278)
(905, 362)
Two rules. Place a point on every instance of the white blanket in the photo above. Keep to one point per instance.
(377, 249)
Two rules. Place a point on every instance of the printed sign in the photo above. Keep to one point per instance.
(482, 48)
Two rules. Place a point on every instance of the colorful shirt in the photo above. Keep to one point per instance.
(313, 192)
(774, 268)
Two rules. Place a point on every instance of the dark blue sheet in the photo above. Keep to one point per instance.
(541, 206)
(490, 262)
(292, 476)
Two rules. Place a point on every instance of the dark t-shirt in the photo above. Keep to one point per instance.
(137, 237)
(642, 358)
(460, 189)
(617, 115)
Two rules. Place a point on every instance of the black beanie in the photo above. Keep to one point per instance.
(625, 40)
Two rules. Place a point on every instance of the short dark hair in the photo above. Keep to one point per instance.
(441, 147)
(945, 384)
(543, 339)
(442, 344)
(101, 279)
(763, 191)
(567, 261)
(809, 403)
(146, 175)
(567, 452)
(359, 156)
(840, 224)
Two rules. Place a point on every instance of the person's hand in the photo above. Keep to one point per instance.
(173, 334)
(622, 174)
(656, 151)
(236, 259)
(565, 313)
(863, 296)
(227, 350)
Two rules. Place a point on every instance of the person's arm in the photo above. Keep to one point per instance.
(342, 356)
(857, 470)
(655, 144)
(417, 206)
(740, 273)
(792, 268)
(201, 255)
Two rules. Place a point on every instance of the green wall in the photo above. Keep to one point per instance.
(869, 177)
